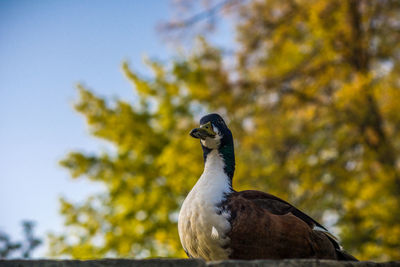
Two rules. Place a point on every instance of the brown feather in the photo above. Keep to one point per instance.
(266, 227)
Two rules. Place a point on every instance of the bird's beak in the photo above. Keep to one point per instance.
(203, 132)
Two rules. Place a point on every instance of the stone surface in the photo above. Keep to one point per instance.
(190, 263)
(300, 263)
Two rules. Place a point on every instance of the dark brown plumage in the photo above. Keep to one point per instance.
(266, 227)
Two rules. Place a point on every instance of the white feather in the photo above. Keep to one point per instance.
(201, 229)
(214, 233)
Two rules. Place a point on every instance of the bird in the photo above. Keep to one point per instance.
(218, 223)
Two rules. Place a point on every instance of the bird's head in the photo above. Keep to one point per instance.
(215, 135)
(213, 132)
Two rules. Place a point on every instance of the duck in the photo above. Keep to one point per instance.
(218, 223)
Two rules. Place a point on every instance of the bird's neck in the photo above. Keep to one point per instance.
(214, 183)
(222, 159)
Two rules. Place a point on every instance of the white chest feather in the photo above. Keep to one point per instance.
(202, 226)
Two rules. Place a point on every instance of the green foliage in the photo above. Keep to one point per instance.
(23, 248)
(313, 102)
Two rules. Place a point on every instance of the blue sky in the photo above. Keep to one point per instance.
(46, 47)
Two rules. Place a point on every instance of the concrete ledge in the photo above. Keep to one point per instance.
(191, 263)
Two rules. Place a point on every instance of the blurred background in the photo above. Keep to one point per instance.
(310, 90)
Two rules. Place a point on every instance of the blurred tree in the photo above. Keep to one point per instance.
(312, 96)
(22, 248)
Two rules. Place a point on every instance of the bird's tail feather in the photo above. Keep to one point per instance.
(344, 256)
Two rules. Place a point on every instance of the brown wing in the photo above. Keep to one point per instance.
(266, 227)
(277, 206)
